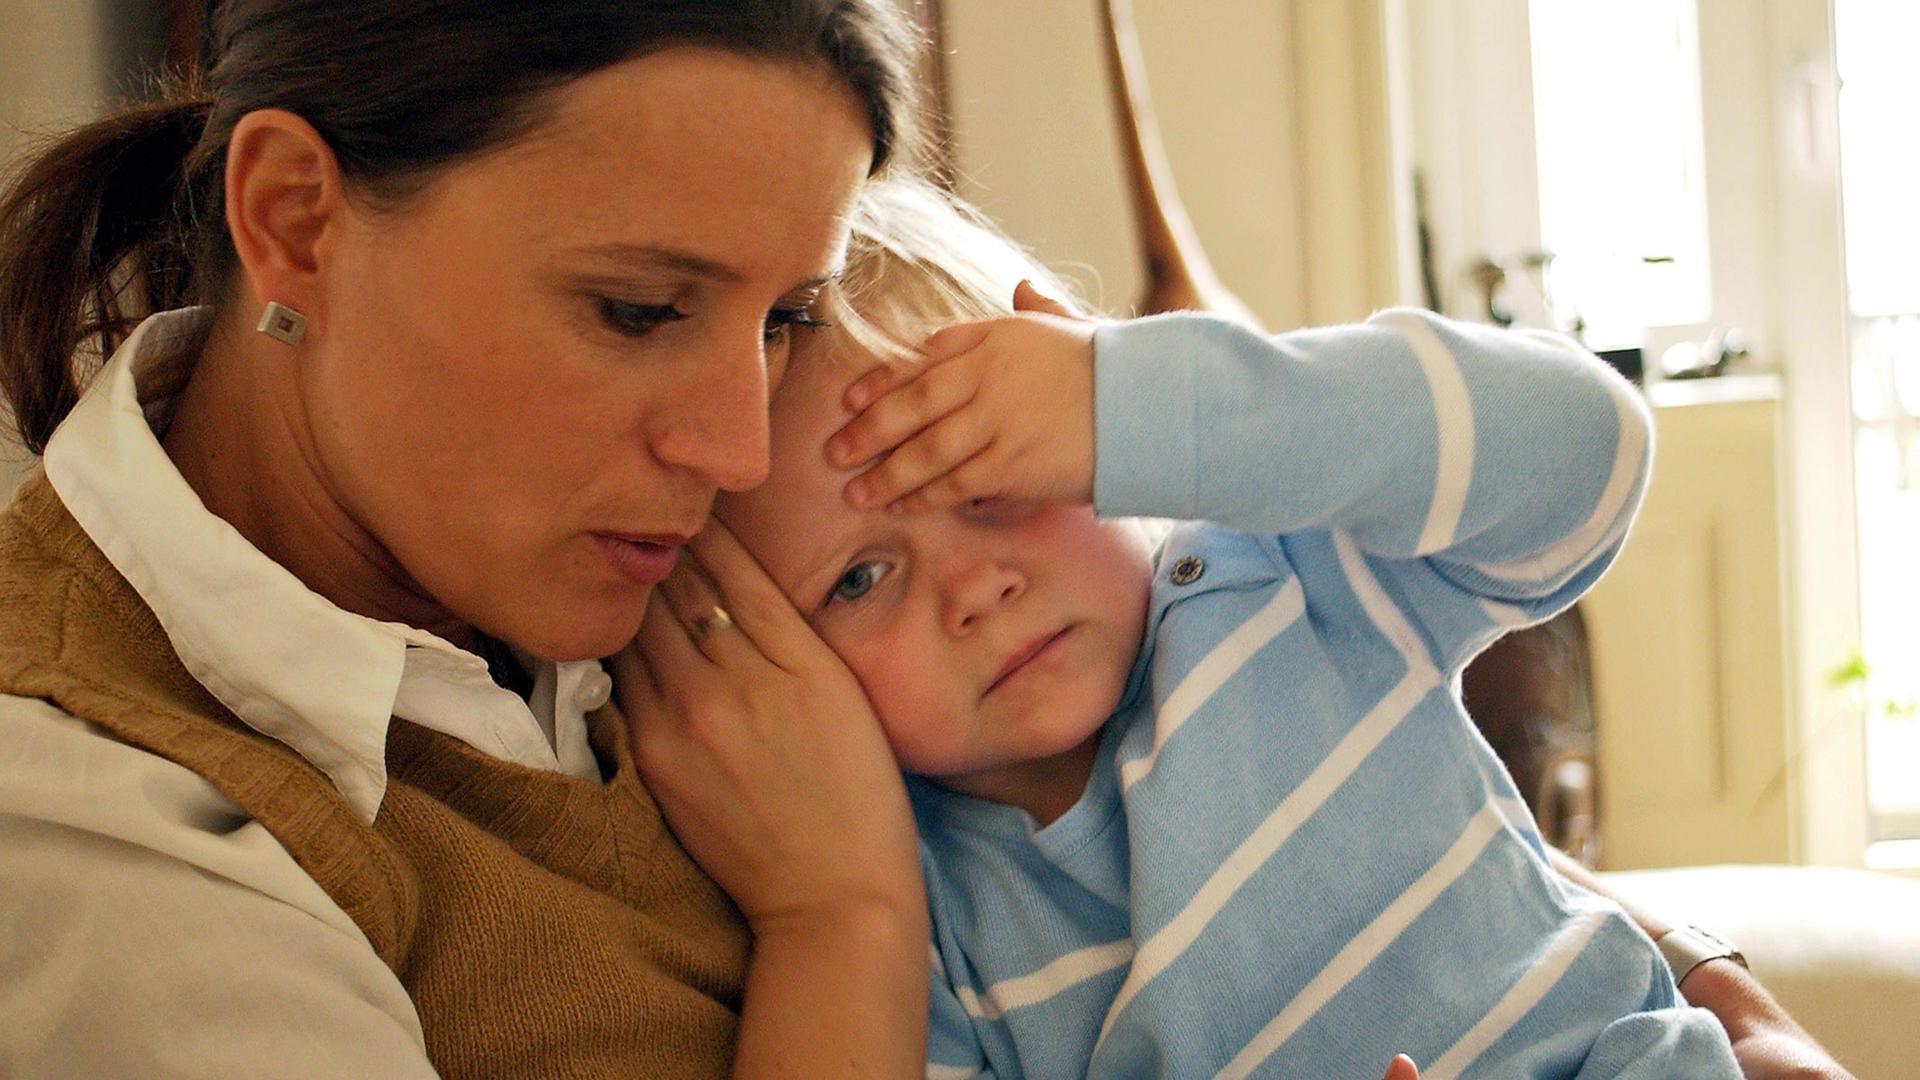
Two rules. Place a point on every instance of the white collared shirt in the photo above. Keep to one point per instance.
(144, 918)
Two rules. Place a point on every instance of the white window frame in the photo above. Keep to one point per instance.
(1464, 118)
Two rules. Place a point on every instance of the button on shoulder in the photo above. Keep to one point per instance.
(1186, 570)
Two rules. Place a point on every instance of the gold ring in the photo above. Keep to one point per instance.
(715, 619)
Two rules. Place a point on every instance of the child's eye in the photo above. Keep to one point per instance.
(635, 320)
(781, 321)
(858, 581)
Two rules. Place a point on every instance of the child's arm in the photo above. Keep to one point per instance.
(1469, 463)
(1485, 477)
(1419, 436)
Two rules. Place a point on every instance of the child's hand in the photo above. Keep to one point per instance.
(1001, 407)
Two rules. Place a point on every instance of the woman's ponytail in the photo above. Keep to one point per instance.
(97, 232)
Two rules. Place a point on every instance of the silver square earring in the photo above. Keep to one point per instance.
(282, 323)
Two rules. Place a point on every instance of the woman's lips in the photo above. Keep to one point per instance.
(1025, 656)
(643, 561)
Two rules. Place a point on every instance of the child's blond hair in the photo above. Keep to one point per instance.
(919, 258)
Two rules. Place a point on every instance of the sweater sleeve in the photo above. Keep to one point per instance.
(1679, 1041)
(1486, 476)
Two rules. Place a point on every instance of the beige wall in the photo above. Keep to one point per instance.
(50, 78)
(1274, 119)
(50, 75)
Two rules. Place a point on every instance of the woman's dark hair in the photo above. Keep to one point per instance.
(124, 217)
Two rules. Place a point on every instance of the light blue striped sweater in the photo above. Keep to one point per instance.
(1296, 856)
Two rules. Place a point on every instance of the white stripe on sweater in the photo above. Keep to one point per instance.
(1216, 668)
(1369, 943)
(1166, 945)
(1380, 607)
(1504, 614)
(1075, 967)
(1453, 424)
(951, 1072)
(1518, 814)
(1521, 998)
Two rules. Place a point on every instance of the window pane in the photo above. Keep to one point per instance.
(1879, 153)
(1879, 163)
(1622, 188)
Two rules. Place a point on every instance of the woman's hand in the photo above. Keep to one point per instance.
(1402, 1068)
(760, 746)
(767, 762)
(997, 408)
(1767, 1043)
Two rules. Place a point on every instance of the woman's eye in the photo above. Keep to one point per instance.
(858, 581)
(781, 321)
(636, 320)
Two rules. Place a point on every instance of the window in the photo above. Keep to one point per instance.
(1679, 161)
(1617, 132)
(1879, 159)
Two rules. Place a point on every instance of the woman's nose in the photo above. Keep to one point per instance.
(978, 587)
(715, 423)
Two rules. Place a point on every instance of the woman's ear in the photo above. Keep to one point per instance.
(285, 205)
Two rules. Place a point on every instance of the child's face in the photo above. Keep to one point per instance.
(993, 639)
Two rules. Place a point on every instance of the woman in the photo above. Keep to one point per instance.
(461, 312)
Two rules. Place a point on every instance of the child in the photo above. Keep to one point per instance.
(1208, 805)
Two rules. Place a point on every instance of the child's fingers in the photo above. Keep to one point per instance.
(953, 340)
(930, 454)
(1028, 298)
(971, 479)
(868, 387)
(899, 415)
